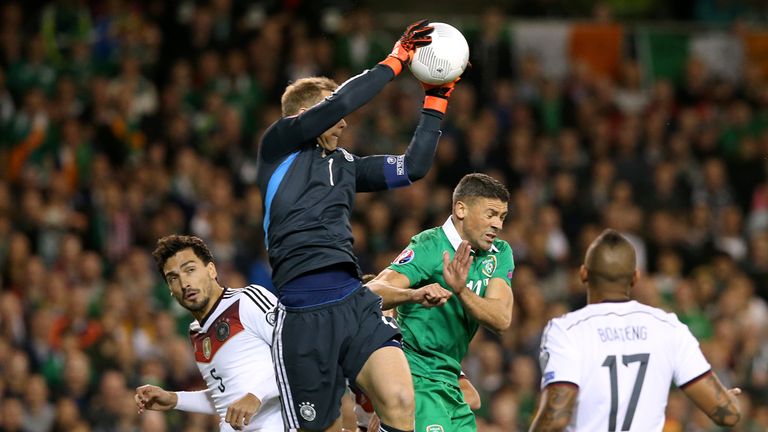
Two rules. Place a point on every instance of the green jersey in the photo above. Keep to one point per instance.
(435, 340)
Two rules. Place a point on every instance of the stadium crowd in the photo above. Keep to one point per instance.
(121, 122)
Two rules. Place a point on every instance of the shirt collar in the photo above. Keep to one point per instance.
(453, 235)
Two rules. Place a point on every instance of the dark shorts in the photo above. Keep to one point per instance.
(316, 349)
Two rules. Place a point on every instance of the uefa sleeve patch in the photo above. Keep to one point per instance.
(549, 376)
(405, 257)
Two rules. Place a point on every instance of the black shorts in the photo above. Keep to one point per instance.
(316, 348)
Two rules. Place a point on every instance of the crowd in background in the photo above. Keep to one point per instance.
(122, 121)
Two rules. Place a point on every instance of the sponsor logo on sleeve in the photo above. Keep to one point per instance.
(509, 274)
(347, 155)
(401, 165)
(271, 317)
(549, 376)
(405, 257)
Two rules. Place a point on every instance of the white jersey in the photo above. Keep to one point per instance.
(623, 357)
(232, 350)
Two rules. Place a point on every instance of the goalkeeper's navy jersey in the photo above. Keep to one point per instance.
(308, 193)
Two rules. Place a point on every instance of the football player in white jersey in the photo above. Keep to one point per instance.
(608, 366)
(231, 336)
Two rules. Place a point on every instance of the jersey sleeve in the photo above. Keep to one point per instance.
(506, 264)
(289, 133)
(559, 358)
(690, 362)
(418, 261)
(195, 401)
(257, 311)
(382, 172)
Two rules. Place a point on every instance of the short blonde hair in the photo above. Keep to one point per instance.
(304, 93)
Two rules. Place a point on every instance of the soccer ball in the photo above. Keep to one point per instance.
(444, 59)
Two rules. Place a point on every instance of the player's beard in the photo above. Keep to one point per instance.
(197, 305)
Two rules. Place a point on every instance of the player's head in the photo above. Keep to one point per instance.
(609, 265)
(479, 208)
(187, 266)
(307, 92)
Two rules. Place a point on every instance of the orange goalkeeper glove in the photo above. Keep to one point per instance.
(436, 95)
(415, 36)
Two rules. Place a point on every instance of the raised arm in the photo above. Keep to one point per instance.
(493, 311)
(555, 407)
(293, 131)
(719, 403)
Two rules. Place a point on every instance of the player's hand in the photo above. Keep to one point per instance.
(455, 271)
(431, 295)
(443, 91)
(242, 410)
(415, 36)
(154, 398)
(436, 96)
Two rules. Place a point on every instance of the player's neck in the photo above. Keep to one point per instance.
(212, 302)
(595, 296)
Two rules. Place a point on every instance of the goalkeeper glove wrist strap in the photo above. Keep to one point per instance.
(394, 63)
(435, 103)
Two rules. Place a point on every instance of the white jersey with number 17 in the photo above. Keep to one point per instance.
(623, 357)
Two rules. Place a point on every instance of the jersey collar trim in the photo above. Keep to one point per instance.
(213, 309)
(453, 235)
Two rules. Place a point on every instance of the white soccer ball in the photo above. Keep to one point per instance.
(444, 59)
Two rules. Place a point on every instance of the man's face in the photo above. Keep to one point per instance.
(482, 220)
(191, 282)
(329, 140)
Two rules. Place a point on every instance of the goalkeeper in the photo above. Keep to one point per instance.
(328, 326)
(465, 257)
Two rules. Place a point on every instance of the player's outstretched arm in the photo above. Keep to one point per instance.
(494, 311)
(394, 289)
(296, 130)
(555, 407)
(240, 413)
(154, 398)
(719, 403)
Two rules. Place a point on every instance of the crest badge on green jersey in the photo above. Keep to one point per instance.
(489, 265)
(435, 428)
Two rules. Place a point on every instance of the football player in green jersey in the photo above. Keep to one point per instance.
(464, 257)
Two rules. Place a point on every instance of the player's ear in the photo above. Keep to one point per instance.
(460, 209)
(583, 274)
(635, 276)
(211, 267)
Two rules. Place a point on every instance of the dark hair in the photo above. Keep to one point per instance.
(170, 245)
(610, 259)
(478, 185)
(305, 92)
